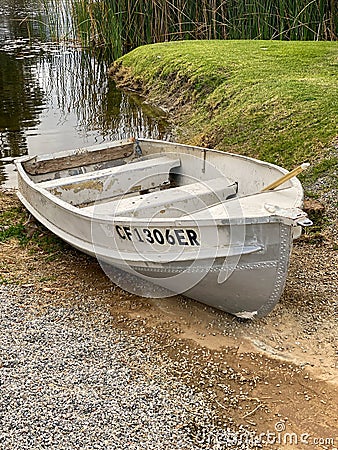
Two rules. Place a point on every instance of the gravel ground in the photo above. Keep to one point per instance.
(71, 383)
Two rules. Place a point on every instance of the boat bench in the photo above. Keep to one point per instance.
(173, 202)
(135, 176)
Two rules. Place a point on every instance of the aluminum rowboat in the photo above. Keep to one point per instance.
(185, 219)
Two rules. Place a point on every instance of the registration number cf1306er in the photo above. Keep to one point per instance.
(156, 236)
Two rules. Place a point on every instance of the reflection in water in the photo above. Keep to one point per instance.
(18, 104)
(90, 102)
(53, 98)
(20, 19)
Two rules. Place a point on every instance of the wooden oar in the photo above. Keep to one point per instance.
(286, 177)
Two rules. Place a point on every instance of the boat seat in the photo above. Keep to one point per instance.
(173, 202)
(139, 175)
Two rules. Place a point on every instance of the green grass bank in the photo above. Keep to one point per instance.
(274, 100)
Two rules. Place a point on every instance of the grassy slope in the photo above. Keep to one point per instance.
(274, 100)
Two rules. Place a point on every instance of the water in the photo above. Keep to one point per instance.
(56, 97)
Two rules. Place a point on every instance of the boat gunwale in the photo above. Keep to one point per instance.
(181, 221)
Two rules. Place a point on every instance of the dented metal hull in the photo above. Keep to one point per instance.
(201, 235)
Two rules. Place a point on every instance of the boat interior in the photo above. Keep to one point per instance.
(145, 179)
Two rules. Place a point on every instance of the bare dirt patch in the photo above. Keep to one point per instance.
(277, 374)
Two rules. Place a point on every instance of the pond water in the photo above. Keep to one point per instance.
(56, 97)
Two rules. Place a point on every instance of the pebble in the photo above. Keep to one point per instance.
(67, 382)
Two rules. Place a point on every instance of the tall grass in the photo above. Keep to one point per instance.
(116, 26)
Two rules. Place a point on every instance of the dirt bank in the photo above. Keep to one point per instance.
(277, 374)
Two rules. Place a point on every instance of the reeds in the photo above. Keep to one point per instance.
(116, 26)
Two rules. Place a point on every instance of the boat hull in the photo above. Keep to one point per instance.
(233, 256)
(246, 286)
(246, 281)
